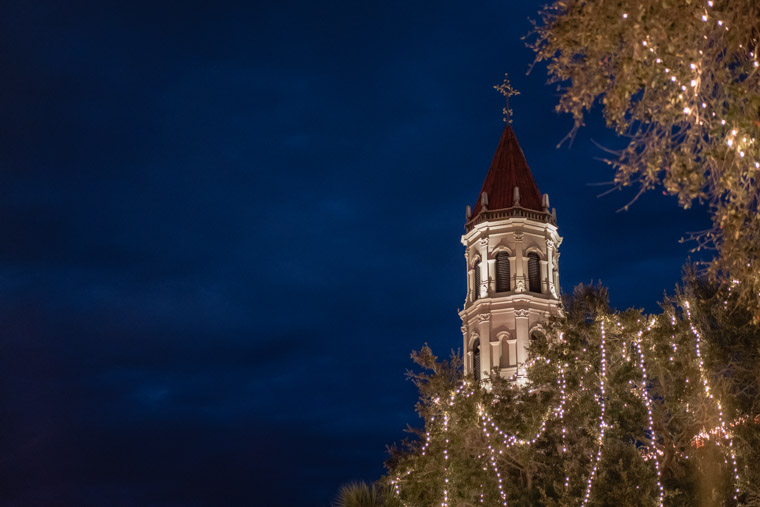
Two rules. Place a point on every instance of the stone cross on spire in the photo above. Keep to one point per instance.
(506, 89)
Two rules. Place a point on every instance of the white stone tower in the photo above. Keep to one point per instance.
(511, 243)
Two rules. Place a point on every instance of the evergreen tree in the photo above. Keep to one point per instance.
(617, 408)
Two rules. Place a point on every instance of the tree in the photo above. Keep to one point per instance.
(681, 81)
(361, 494)
(618, 408)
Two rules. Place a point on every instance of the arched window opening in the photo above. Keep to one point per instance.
(502, 272)
(476, 358)
(476, 282)
(508, 351)
(534, 273)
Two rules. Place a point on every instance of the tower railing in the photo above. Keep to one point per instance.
(514, 212)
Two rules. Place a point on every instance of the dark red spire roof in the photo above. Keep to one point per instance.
(509, 170)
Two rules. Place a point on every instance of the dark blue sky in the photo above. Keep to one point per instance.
(225, 225)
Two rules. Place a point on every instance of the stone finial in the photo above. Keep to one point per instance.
(545, 203)
(516, 196)
(484, 201)
(468, 212)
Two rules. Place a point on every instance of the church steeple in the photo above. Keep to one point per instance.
(508, 170)
(511, 243)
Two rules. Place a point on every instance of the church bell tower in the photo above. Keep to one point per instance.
(511, 244)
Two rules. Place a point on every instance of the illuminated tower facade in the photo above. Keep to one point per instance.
(511, 248)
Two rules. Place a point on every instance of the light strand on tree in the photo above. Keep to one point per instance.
(492, 455)
(602, 424)
(445, 501)
(708, 393)
(559, 411)
(500, 484)
(648, 405)
(512, 440)
(563, 398)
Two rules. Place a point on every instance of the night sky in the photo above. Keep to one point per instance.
(225, 226)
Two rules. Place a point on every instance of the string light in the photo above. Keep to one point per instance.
(721, 421)
(648, 404)
(602, 424)
(511, 440)
(495, 467)
(445, 501)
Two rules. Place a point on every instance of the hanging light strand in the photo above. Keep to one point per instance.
(445, 501)
(709, 394)
(602, 424)
(648, 405)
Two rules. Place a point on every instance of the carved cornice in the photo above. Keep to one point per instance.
(484, 317)
(522, 313)
(496, 215)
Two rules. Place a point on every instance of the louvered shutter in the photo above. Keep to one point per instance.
(476, 358)
(476, 288)
(502, 272)
(534, 273)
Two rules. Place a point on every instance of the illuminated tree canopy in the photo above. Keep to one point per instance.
(617, 409)
(680, 81)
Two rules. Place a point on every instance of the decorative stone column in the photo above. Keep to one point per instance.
(522, 323)
(486, 356)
